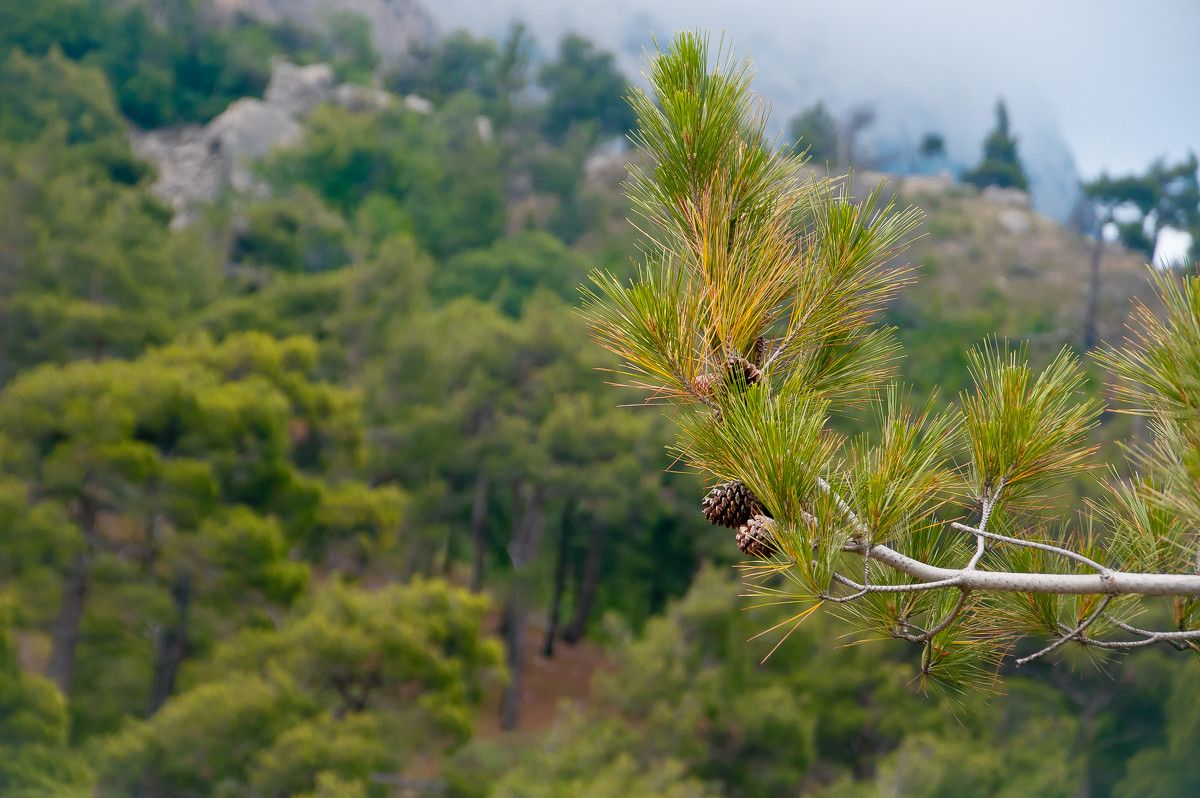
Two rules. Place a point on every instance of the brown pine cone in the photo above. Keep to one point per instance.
(740, 371)
(731, 504)
(758, 351)
(756, 539)
(706, 384)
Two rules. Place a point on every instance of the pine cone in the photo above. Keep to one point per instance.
(755, 537)
(706, 384)
(758, 350)
(731, 504)
(740, 371)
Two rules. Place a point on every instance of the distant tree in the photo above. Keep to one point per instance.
(815, 132)
(933, 145)
(454, 63)
(434, 175)
(90, 267)
(293, 234)
(584, 84)
(512, 68)
(38, 92)
(859, 119)
(1140, 207)
(1001, 166)
(348, 46)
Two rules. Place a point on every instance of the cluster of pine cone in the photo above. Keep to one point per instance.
(739, 372)
(733, 505)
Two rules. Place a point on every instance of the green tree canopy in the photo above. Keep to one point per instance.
(1165, 195)
(186, 482)
(429, 174)
(91, 268)
(355, 683)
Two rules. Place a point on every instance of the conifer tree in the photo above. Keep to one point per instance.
(752, 316)
(1001, 165)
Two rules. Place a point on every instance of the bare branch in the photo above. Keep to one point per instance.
(865, 589)
(1177, 635)
(1035, 545)
(1112, 583)
(989, 502)
(1174, 639)
(1079, 630)
(949, 619)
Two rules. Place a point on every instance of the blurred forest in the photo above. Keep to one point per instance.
(322, 494)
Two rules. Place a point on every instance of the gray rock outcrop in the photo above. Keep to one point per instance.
(195, 164)
(299, 89)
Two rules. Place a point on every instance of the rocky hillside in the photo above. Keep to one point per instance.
(989, 251)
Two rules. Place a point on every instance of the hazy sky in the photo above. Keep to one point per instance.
(1119, 80)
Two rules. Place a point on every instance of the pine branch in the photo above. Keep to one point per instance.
(758, 299)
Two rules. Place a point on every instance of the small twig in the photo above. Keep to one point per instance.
(1078, 630)
(1034, 545)
(1121, 645)
(989, 503)
(1151, 636)
(980, 548)
(786, 341)
(845, 508)
(916, 587)
(949, 619)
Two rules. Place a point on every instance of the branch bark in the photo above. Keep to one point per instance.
(1115, 583)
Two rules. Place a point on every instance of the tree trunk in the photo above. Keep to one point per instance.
(1091, 337)
(66, 625)
(512, 629)
(170, 647)
(528, 526)
(566, 530)
(479, 532)
(588, 585)
(75, 589)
